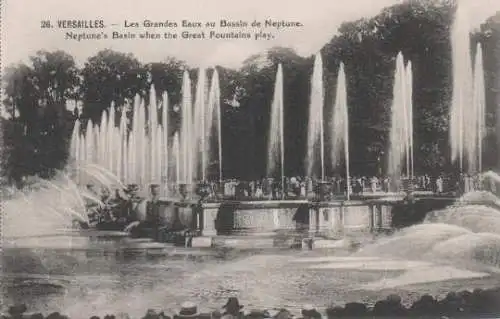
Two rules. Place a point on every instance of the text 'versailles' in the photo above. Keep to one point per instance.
(80, 24)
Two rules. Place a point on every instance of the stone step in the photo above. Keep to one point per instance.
(136, 240)
(202, 242)
(250, 242)
(148, 245)
(103, 233)
(329, 243)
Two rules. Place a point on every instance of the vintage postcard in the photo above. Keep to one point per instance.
(250, 159)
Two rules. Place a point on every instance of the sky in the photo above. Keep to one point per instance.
(22, 35)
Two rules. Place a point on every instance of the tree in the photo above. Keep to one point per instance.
(20, 91)
(38, 137)
(56, 77)
(111, 76)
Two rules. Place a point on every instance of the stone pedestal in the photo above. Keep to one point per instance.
(341, 219)
(202, 242)
(386, 216)
(335, 222)
(372, 211)
(380, 221)
(209, 215)
(276, 219)
(313, 221)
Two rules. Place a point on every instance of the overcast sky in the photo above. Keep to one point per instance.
(22, 36)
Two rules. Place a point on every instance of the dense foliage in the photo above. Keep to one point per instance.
(37, 134)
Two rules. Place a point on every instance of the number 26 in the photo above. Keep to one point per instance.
(45, 24)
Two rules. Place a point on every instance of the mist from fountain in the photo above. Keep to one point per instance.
(460, 234)
(276, 147)
(412, 241)
(44, 207)
(401, 133)
(315, 139)
(340, 125)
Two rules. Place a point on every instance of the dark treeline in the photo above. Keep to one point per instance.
(37, 135)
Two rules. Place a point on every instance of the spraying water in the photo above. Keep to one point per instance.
(462, 88)
(177, 153)
(340, 125)
(401, 140)
(139, 156)
(409, 107)
(199, 128)
(213, 130)
(153, 138)
(164, 154)
(315, 130)
(479, 105)
(186, 141)
(47, 207)
(276, 130)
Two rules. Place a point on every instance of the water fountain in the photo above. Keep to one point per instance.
(479, 112)
(133, 157)
(199, 124)
(466, 129)
(276, 147)
(401, 133)
(340, 126)
(409, 107)
(176, 152)
(196, 133)
(215, 119)
(315, 139)
(142, 155)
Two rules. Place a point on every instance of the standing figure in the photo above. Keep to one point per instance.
(439, 184)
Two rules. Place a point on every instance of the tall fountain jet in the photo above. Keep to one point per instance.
(315, 131)
(479, 106)
(401, 133)
(186, 135)
(461, 125)
(121, 166)
(165, 145)
(213, 129)
(340, 126)
(110, 135)
(409, 106)
(199, 131)
(75, 149)
(276, 147)
(153, 147)
(177, 161)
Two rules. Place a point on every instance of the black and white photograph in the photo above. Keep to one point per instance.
(222, 159)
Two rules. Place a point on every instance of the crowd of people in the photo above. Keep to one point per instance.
(306, 187)
(464, 304)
